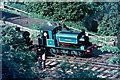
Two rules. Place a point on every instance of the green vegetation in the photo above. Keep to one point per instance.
(78, 25)
(17, 59)
(109, 24)
(35, 27)
(114, 60)
(113, 49)
(102, 18)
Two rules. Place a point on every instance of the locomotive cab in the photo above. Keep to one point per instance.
(47, 38)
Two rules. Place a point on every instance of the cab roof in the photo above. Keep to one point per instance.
(68, 34)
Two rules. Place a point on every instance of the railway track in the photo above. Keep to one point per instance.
(98, 65)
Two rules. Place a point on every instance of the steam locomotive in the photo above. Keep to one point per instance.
(59, 40)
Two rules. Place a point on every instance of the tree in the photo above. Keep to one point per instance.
(102, 18)
(110, 20)
(17, 61)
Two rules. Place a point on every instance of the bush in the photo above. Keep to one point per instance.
(114, 60)
(72, 12)
(112, 49)
(109, 23)
(102, 18)
(17, 60)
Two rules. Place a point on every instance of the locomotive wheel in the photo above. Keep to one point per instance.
(61, 51)
(79, 53)
(75, 53)
(57, 51)
(65, 52)
(52, 51)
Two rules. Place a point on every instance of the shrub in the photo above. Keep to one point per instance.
(17, 61)
(110, 20)
(102, 18)
(114, 60)
(112, 49)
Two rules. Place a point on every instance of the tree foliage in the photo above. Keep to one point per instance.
(109, 25)
(114, 60)
(72, 11)
(17, 59)
(112, 49)
(99, 17)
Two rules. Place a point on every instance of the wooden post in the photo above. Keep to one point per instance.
(43, 59)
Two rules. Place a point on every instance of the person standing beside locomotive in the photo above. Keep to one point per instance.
(42, 58)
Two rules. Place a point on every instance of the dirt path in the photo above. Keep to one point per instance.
(21, 20)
